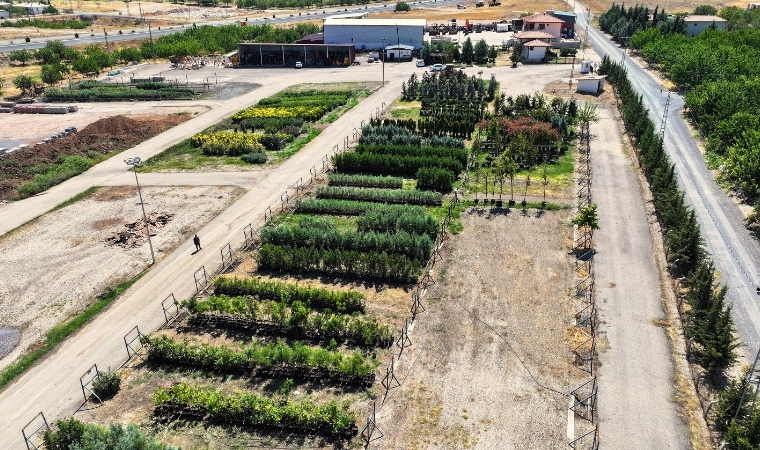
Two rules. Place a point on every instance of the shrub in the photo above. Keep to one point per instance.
(106, 384)
(402, 7)
(433, 178)
(272, 141)
(254, 158)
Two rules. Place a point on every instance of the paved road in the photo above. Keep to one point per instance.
(52, 386)
(634, 393)
(736, 254)
(85, 39)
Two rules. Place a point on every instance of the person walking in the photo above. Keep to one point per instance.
(197, 242)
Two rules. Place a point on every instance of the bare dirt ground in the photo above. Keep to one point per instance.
(68, 244)
(465, 385)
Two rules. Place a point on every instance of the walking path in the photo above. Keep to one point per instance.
(635, 384)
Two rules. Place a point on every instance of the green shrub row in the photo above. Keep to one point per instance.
(300, 319)
(249, 409)
(413, 197)
(348, 263)
(391, 164)
(164, 350)
(327, 237)
(377, 134)
(352, 208)
(73, 434)
(458, 154)
(342, 179)
(53, 93)
(435, 179)
(315, 298)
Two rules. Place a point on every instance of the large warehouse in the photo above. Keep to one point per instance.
(374, 34)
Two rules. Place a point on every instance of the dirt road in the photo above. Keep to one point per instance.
(635, 376)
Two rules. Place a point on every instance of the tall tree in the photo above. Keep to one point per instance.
(468, 51)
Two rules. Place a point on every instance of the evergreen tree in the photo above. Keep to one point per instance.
(468, 52)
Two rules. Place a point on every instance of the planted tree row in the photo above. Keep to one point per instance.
(298, 322)
(347, 263)
(455, 153)
(441, 85)
(391, 164)
(298, 361)
(393, 134)
(313, 297)
(322, 233)
(387, 182)
(246, 408)
(711, 325)
(413, 197)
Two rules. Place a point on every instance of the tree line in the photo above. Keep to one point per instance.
(708, 322)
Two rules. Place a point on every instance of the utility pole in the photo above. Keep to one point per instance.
(134, 162)
(106, 36)
(664, 120)
(384, 41)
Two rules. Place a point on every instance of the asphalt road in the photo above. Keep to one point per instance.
(145, 34)
(736, 254)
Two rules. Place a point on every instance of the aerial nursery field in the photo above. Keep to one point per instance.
(294, 344)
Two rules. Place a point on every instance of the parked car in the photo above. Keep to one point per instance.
(436, 67)
(461, 7)
(420, 63)
(299, 64)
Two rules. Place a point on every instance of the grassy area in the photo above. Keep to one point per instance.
(406, 110)
(57, 334)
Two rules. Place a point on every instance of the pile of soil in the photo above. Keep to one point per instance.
(136, 233)
(111, 134)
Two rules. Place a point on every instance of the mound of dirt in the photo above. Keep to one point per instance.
(136, 233)
(108, 135)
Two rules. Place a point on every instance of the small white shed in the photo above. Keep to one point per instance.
(399, 52)
(591, 84)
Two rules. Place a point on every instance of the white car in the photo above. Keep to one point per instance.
(461, 7)
(299, 64)
(436, 67)
(420, 63)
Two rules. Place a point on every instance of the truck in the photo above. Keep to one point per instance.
(480, 4)
(494, 3)
(503, 27)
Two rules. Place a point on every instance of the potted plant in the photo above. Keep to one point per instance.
(514, 58)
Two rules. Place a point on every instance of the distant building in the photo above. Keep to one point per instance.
(286, 55)
(698, 24)
(374, 34)
(399, 52)
(313, 38)
(31, 8)
(753, 6)
(543, 22)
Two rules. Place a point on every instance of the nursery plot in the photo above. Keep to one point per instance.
(268, 132)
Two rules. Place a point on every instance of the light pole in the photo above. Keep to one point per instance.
(134, 162)
(384, 40)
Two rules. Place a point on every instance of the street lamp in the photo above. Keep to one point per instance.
(384, 40)
(134, 162)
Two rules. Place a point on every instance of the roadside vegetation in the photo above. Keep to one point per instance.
(708, 322)
(718, 71)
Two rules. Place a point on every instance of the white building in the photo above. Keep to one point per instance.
(535, 51)
(31, 8)
(398, 52)
(698, 24)
(374, 34)
(591, 84)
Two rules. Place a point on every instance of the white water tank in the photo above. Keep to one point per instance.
(585, 66)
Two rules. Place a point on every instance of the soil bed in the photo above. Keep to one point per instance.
(99, 139)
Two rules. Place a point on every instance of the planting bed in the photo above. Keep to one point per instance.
(270, 131)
